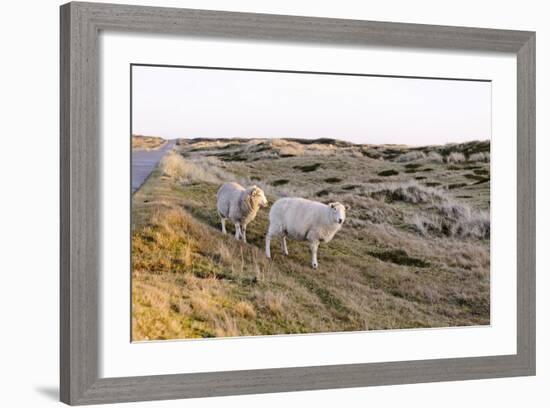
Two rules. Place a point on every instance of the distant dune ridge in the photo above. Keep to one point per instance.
(413, 252)
(147, 142)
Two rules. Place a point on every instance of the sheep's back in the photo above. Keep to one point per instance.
(297, 216)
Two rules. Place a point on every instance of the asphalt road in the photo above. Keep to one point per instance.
(145, 161)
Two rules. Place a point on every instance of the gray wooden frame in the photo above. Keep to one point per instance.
(80, 192)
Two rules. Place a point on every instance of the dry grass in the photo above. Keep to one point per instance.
(454, 221)
(409, 255)
(245, 309)
(188, 278)
(443, 214)
(147, 142)
(188, 171)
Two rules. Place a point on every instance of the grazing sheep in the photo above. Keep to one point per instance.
(240, 205)
(304, 220)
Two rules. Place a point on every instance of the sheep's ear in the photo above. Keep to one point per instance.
(331, 205)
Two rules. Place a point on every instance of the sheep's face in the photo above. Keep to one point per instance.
(338, 212)
(258, 196)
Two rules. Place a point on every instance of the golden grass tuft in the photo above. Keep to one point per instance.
(174, 165)
(274, 302)
(245, 309)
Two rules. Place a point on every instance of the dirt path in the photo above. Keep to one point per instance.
(144, 162)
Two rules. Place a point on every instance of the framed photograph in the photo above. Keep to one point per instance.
(261, 203)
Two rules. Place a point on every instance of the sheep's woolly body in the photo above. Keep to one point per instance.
(239, 205)
(304, 220)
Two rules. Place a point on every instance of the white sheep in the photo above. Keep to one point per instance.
(239, 205)
(304, 220)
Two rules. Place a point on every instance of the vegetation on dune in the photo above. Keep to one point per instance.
(147, 142)
(414, 252)
(413, 155)
(455, 157)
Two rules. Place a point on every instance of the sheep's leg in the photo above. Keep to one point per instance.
(314, 246)
(243, 233)
(285, 249)
(223, 226)
(238, 233)
(274, 230)
(268, 245)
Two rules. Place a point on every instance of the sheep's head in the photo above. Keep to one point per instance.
(257, 196)
(337, 212)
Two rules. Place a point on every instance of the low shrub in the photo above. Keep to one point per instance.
(480, 157)
(453, 219)
(456, 157)
(413, 155)
(435, 157)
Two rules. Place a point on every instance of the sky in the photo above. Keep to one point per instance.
(176, 102)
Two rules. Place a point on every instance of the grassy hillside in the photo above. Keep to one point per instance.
(414, 251)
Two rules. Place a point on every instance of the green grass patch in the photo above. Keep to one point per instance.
(280, 182)
(399, 257)
(308, 167)
(456, 185)
(371, 155)
(387, 173)
(474, 177)
(481, 181)
(231, 157)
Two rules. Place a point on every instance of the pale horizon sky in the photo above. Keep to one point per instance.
(176, 102)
